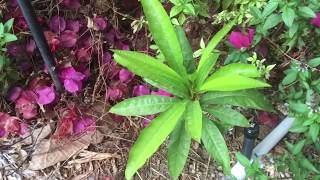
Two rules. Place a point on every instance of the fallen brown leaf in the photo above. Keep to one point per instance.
(49, 152)
(37, 135)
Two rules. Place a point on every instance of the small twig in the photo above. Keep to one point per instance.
(207, 169)
(281, 51)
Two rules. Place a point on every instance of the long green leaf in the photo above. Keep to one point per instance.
(213, 43)
(163, 33)
(232, 83)
(215, 144)
(143, 105)
(245, 98)
(187, 53)
(178, 150)
(246, 70)
(8, 25)
(193, 118)
(203, 73)
(152, 137)
(148, 67)
(228, 116)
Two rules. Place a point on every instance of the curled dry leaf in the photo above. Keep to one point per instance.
(49, 152)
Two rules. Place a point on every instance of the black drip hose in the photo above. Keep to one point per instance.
(39, 38)
(250, 134)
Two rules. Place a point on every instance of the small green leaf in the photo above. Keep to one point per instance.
(246, 70)
(203, 73)
(2, 62)
(270, 8)
(244, 161)
(203, 69)
(193, 118)
(306, 12)
(178, 150)
(8, 25)
(152, 137)
(1, 29)
(214, 42)
(189, 9)
(164, 35)
(314, 132)
(246, 98)
(175, 10)
(188, 60)
(232, 83)
(150, 68)
(143, 105)
(7, 37)
(293, 30)
(255, 12)
(272, 21)
(228, 116)
(314, 62)
(290, 78)
(297, 148)
(214, 143)
(226, 4)
(288, 16)
(308, 165)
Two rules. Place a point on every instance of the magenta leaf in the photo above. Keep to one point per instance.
(73, 26)
(240, 40)
(72, 86)
(30, 46)
(268, 119)
(161, 92)
(114, 94)
(14, 49)
(140, 90)
(84, 125)
(52, 40)
(14, 93)
(99, 23)
(57, 24)
(125, 76)
(83, 54)
(316, 21)
(26, 104)
(68, 39)
(8, 124)
(107, 57)
(71, 4)
(46, 95)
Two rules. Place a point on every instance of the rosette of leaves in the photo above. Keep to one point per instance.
(7, 73)
(197, 94)
(300, 88)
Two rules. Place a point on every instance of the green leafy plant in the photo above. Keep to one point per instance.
(197, 91)
(7, 73)
(299, 165)
(182, 8)
(300, 89)
(294, 15)
(253, 169)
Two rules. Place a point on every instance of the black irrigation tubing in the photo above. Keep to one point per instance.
(250, 134)
(37, 33)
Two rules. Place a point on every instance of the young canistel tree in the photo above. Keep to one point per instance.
(197, 92)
